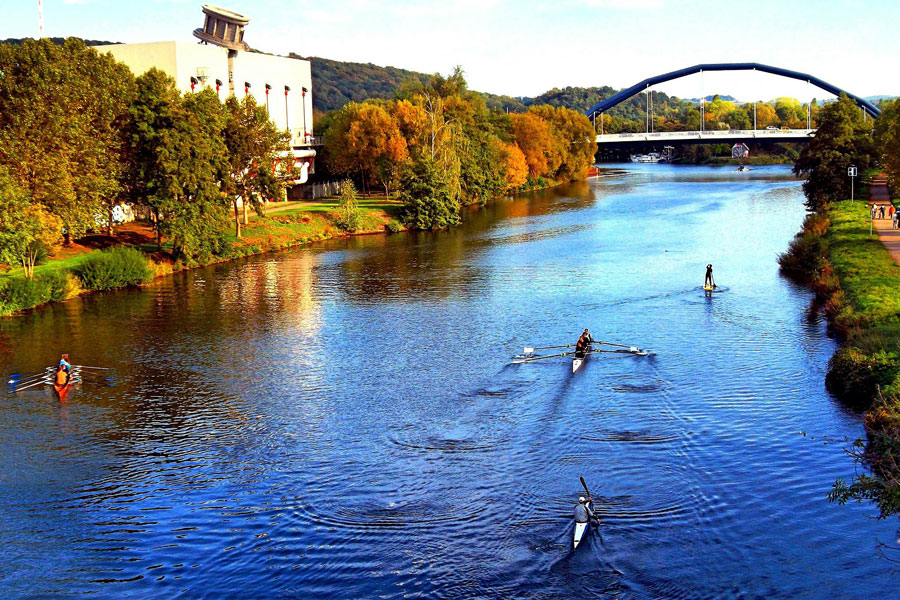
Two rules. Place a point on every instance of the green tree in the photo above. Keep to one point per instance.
(27, 231)
(842, 140)
(887, 141)
(253, 144)
(348, 210)
(176, 160)
(61, 114)
(428, 198)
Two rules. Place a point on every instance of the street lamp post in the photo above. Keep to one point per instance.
(268, 87)
(303, 93)
(287, 123)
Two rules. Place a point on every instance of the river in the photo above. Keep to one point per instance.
(343, 421)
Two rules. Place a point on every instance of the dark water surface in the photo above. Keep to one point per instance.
(342, 421)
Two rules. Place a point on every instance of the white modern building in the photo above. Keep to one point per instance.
(222, 62)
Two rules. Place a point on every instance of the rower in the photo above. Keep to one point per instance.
(64, 362)
(62, 375)
(708, 281)
(583, 342)
(583, 511)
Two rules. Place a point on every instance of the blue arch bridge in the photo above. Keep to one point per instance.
(624, 141)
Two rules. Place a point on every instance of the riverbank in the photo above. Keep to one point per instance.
(285, 225)
(858, 283)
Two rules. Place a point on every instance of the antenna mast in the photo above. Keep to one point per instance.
(40, 19)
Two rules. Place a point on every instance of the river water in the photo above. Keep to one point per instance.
(343, 420)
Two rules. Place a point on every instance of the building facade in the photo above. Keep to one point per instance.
(220, 62)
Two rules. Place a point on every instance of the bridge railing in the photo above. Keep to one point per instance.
(656, 136)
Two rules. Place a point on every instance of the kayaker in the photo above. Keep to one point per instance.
(64, 362)
(708, 281)
(583, 511)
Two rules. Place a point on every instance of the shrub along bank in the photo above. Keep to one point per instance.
(121, 266)
(858, 282)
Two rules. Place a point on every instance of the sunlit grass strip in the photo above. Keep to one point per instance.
(869, 277)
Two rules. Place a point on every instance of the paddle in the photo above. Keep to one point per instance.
(97, 368)
(533, 358)
(590, 500)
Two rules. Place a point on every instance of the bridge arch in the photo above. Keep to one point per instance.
(605, 105)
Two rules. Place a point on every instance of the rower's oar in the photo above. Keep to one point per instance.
(632, 351)
(17, 379)
(41, 382)
(632, 348)
(528, 350)
(533, 358)
(97, 368)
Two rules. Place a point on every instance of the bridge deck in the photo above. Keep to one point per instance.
(700, 137)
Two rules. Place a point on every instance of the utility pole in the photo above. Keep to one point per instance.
(40, 19)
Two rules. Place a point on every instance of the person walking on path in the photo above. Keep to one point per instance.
(888, 233)
(872, 210)
(881, 211)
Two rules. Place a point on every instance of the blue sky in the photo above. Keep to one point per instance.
(524, 48)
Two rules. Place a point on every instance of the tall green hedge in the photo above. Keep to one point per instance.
(114, 268)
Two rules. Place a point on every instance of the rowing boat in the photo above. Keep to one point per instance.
(577, 361)
(62, 391)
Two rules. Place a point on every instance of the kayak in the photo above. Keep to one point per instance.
(580, 530)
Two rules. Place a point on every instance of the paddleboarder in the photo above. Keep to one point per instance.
(708, 281)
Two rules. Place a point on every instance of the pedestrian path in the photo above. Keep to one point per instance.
(890, 237)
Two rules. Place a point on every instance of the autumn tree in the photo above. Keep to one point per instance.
(574, 144)
(533, 138)
(515, 166)
(365, 140)
(765, 115)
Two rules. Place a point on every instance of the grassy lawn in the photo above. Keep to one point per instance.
(286, 224)
(869, 276)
